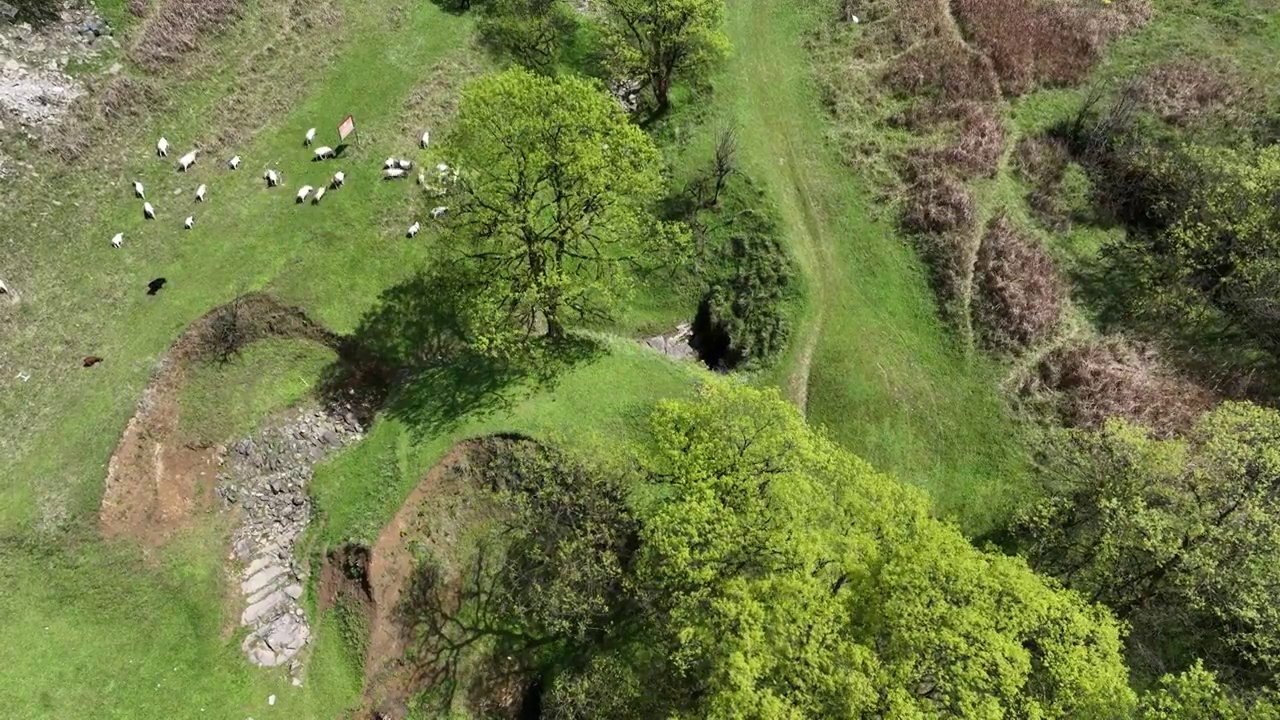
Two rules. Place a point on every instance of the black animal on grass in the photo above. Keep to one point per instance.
(154, 286)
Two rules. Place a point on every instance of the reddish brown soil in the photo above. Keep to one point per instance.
(158, 477)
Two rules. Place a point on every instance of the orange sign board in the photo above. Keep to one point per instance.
(347, 127)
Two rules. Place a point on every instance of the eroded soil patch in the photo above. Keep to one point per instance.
(158, 476)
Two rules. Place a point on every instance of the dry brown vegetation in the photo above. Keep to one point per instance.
(1044, 44)
(976, 142)
(944, 70)
(1019, 295)
(1041, 161)
(82, 128)
(176, 28)
(137, 8)
(1100, 379)
(1183, 92)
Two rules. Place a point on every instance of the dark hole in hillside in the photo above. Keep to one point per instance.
(711, 339)
(531, 705)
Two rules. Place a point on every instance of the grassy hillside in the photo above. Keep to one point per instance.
(877, 366)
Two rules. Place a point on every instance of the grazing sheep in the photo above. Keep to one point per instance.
(413, 229)
(190, 221)
(186, 161)
(162, 148)
(426, 139)
(405, 164)
(390, 163)
(319, 194)
(4, 289)
(154, 286)
(311, 137)
(272, 178)
(338, 178)
(303, 192)
(137, 190)
(234, 162)
(200, 191)
(324, 152)
(392, 173)
(90, 360)
(148, 212)
(438, 211)
(117, 241)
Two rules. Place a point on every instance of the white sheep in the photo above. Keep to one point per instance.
(324, 152)
(162, 148)
(392, 173)
(117, 241)
(234, 162)
(438, 211)
(186, 161)
(148, 212)
(413, 229)
(303, 192)
(854, 19)
(319, 194)
(137, 190)
(338, 178)
(405, 164)
(200, 191)
(390, 163)
(189, 222)
(311, 137)
(426, 139)
(272, 178)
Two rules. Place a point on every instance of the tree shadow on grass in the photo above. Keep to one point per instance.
(410, 357)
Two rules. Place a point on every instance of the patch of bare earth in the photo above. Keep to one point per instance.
(159, 476)
(384, 582)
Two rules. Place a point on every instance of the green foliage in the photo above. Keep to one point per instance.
(1180, 537)
(743, 317)
(531, 32)
(1196, 694)
(662, 41)
(778, 573)
(557, 186)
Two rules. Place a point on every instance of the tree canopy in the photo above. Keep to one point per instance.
(1180, 537)
(659, 41)
(557, 187)
(778, 576)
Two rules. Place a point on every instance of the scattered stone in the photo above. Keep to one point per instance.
(267, 475)
(115, 69)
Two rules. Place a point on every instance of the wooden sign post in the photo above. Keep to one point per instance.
(347, 127)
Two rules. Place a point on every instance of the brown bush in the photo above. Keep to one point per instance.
(1041, 159)
(129, 97)
(177, 27)
(1031, 43)
(976, 144)
(938, 204)
(901, 24)
(137, 8)
(947, 70)
(1019, 295)
(1108, 378)
(1182, 92)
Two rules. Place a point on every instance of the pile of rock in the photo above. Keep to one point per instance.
(266, 475)
(35, 90)
(675, 344)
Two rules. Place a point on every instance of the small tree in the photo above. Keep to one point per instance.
(556, 190)
(662, 40)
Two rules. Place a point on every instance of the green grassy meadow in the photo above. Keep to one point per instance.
(98, 630)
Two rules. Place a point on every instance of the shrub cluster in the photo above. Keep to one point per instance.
(1101, 379)
(1019, 295)
(944, 70)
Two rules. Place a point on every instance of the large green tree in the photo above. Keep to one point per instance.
(660, 41)
(780, 577)
(1180, 537)
(557, 187)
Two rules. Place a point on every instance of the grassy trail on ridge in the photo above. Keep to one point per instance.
(873, 362)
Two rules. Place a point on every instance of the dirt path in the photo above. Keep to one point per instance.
(776, 116)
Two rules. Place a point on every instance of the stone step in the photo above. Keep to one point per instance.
(262, 578)
(264, 608)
